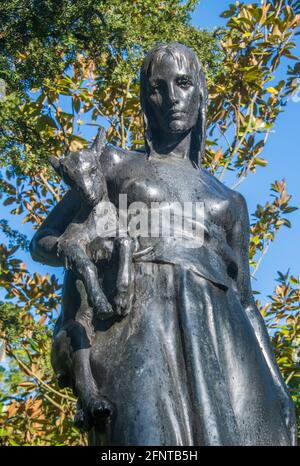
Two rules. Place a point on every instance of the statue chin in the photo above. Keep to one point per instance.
(178, 127)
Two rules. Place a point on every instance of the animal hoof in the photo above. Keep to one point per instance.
(92, 412)
(100, 408)
(82, 421)
(105, 312)
(63, 380)
(102, 308)
(122, 302)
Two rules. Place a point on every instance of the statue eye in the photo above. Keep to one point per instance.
(184, 82)
(154, 87)
(93, 171)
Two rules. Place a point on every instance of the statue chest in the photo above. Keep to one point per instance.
(158, 181)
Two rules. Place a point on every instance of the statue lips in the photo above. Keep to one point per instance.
(175, 114)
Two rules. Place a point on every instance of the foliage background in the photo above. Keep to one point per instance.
(69, 66)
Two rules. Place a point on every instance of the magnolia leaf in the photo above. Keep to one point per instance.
(272, 90)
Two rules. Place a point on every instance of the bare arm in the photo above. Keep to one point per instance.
(239, 241)
(43, 246)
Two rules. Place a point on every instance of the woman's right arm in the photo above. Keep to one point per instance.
(43, 246)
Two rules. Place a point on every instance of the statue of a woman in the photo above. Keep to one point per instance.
(191, 364)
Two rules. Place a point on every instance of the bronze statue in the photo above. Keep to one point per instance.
(190, 361)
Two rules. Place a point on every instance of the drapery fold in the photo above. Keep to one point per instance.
(184, 367)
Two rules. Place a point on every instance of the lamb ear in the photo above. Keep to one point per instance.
(56, 164)
(100, 141)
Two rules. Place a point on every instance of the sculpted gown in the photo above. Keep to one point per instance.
(184, 367)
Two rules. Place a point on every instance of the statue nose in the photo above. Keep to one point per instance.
(174, 100)
(172, 94)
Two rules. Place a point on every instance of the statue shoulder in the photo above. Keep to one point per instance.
(114, 158)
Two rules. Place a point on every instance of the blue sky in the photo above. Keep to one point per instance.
(282, 153)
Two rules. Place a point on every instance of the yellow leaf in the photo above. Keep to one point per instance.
(76, 145)
(272, 90)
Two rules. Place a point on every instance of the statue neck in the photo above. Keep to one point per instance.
(172, 145)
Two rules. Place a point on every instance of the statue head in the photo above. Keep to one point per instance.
(173, 97)
(82, 171)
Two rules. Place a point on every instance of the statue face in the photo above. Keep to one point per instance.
(173, 96)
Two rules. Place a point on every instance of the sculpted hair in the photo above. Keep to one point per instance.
(184, 56)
